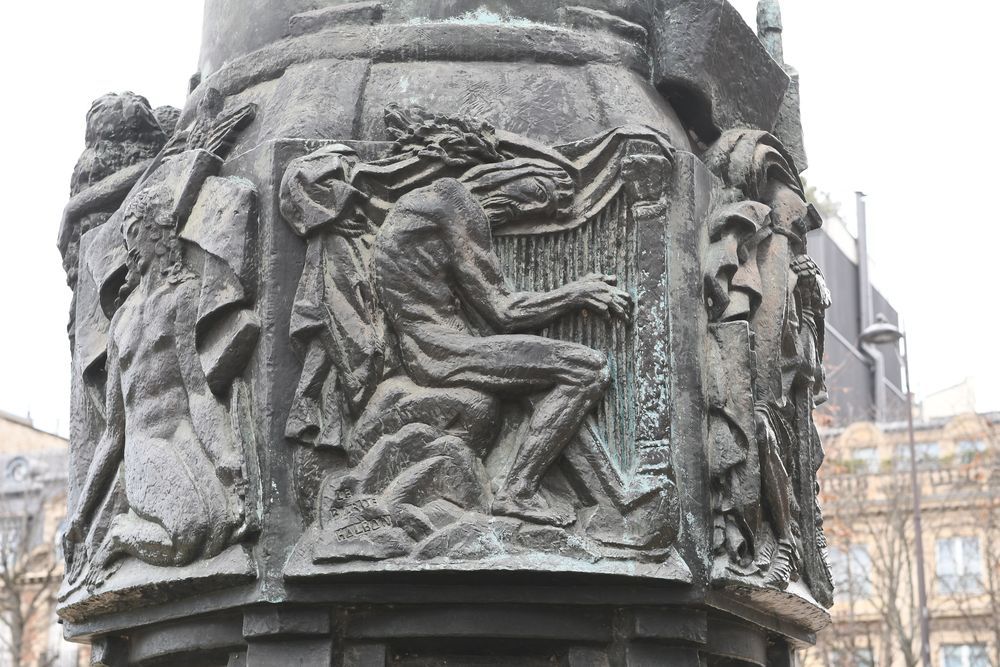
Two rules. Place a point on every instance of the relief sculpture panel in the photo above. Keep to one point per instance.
(465, 322)
(165, 326)
(483, 339)
(518, 294)
(766, 300)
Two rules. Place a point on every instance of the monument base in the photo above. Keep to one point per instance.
(455, 332)
(478, 620)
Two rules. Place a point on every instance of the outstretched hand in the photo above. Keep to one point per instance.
(599, 293)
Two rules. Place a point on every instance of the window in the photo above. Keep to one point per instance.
(12, 533)
(865, 460)
(855, 657)
(968, 451)
(852, 571)
(928, 456)
(18, 469)
(959, 566)
(964, 655)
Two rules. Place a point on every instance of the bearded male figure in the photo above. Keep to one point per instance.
(460, 325)
(182, 469)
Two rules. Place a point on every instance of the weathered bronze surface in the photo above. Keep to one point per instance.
(449, 333)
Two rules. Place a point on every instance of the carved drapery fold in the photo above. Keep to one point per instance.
(766, 299)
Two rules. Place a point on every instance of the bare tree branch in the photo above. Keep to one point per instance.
(29, 573)
(872, 509)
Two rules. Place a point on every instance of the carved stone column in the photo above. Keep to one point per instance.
(447, 333)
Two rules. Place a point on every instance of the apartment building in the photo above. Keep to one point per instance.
(868, 505)
(33, 482)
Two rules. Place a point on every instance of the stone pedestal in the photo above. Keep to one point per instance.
(564, 621)
(467, 333)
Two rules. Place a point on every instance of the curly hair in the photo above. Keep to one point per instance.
(457, 141)
(122, 130)
(146, 208)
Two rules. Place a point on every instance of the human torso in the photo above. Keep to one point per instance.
(414, 274)
(151, 381)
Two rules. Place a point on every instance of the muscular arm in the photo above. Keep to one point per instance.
(107, 193)
(480, 278)
(110, 450)
(508, 311)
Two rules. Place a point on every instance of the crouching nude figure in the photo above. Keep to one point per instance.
(184, 484)
(459, 324)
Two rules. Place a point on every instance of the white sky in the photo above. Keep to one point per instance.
(898, 99)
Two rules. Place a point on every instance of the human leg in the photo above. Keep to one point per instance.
(131, 535)
(176, 501)
(573, 378)
(468, 414)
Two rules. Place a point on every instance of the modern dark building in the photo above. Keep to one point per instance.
(865, 383)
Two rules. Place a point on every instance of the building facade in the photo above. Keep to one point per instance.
(33, 467)
(869, 521)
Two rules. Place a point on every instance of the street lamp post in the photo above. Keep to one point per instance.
(883, 332)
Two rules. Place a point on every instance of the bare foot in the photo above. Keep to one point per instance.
(76, 562)
(534, 509)
(99, 574)
(106, 561)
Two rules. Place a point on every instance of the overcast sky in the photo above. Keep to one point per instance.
(899, 100)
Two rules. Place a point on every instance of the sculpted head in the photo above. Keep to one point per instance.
(733, 288)
(150, 235)
(122, 130)
(521, 189)
(754, 165)
(790, 213)
(140, 233)
(123, 117)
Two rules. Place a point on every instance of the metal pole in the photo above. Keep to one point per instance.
(918, 531)
(864, 266)
(867, 314)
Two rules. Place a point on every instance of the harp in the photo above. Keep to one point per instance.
(622, 179)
